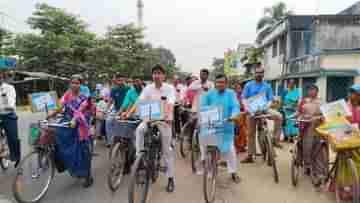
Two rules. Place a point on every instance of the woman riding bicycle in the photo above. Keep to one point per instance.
(77, 108)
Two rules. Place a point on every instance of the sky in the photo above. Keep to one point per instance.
(195, 30)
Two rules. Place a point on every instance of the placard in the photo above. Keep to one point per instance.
(42, 100)
(256, 103)
(335, 109)
(211, 125)
(150, 110)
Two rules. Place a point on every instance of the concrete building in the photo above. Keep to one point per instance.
(322, 49)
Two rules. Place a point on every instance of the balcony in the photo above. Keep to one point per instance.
(303, 64)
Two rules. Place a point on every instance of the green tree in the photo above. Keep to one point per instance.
(273, 14)
(60, 48)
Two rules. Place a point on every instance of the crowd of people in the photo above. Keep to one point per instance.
(120, 96)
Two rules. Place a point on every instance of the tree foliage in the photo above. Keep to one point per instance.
(63, 46)
(273, 14)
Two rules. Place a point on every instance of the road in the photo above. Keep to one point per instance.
(256, 186)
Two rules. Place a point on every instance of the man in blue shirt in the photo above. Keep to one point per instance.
(226, 98)
(253, 88)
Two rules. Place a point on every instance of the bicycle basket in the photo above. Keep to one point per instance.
(211, 136)
(340, 134)
(124, 129)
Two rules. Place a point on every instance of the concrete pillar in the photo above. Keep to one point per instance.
(321, 82)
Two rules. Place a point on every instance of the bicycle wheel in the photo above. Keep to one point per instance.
(295, 166)
(320, 166)
(33, 177)
(139, 182)
(353, 187)
(271, 158)
(210, 173)
(4, 153)
(116, 171)
(195, 151)
(185, 143)
(262, 145)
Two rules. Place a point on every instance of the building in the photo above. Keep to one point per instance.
(323, 49)
(241, 52)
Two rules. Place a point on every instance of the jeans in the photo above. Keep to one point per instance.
(9, 123)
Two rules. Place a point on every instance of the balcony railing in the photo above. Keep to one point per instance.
(303, 64)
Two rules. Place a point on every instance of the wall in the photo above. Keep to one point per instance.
(271, 64)
(340, 61)
(341, 33)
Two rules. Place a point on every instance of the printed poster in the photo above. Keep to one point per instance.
(335, 109)
(256, 103)
(42, 100)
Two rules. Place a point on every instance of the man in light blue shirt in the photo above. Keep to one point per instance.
(253, 88)
(225, 98)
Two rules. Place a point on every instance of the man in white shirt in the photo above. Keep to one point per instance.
(9, 117)
(200, 87)
(159, 90)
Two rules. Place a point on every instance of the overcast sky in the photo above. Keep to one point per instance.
(195, 30)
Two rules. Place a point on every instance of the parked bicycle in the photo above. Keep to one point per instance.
(122, 152)
(36, 171)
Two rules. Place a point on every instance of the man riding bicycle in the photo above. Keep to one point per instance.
(9, 118)
(226, 98)
(253, 88)
(159, 90)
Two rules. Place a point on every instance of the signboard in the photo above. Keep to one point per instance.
(151, 109)
(256, 103)
(42, 101)
(211, 125)
(335, 109)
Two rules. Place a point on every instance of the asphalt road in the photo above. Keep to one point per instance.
(256, 186)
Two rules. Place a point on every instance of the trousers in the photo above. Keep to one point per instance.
(168, 152)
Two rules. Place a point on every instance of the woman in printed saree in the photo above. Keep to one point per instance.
(73, 145)
(290, 103)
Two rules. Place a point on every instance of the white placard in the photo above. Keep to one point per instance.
(335, 109)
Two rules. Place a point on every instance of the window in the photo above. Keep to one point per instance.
(282, 45)
(274, 48)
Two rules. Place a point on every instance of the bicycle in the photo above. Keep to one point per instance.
(343, 161)
(185, 141)
(43, 156)
(4, 149)
(122, 152)
(147, 166)
(211, 160)
(320, 152)
(265, 141)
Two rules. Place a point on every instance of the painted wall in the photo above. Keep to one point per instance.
(340, 61)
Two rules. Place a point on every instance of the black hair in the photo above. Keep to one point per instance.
(313, 86)
(204, 70)
(188, 78)
(157, 67)
(220, 76)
